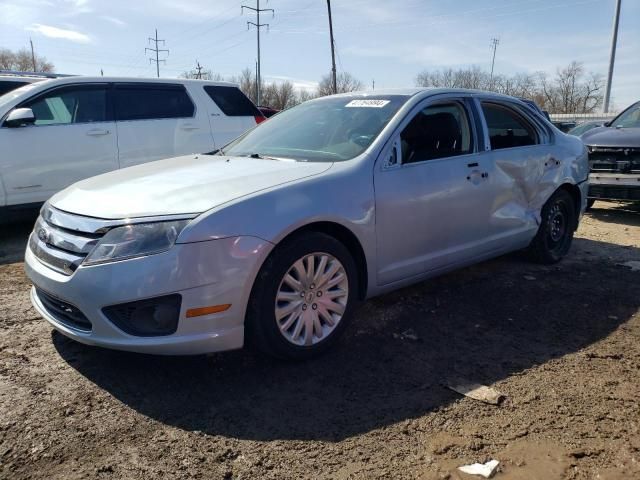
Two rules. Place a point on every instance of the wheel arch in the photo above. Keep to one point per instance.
(576, 195)
(345, 236)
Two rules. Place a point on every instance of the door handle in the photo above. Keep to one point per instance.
(189, 126)
(96, 132)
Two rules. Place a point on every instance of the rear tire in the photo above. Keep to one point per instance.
(303, 297)
(555, 234)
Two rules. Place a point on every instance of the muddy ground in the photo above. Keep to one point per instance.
(562, 343)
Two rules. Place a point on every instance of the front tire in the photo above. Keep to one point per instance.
(303, 297)
(555, 234)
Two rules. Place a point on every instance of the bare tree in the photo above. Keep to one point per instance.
(569, 91)
(345, 83)
(22, 61)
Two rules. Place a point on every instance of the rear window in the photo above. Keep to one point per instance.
(232, 101)
(7, 86)
(152, 101)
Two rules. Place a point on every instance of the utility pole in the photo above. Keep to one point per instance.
(258, 26)
(157, 51)
(494, 45)
(33, 56)
(373, 84)
(199, 69)
(334, 80)
(612, 56)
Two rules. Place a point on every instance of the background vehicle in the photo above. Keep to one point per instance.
(10, 80)
(57, 132)
(267, 111)
(278, 237)
(614, 157)
(584, 127)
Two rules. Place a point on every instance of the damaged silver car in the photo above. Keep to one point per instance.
(275, 239)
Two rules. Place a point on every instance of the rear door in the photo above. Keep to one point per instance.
(73, 138)
(158, 120)
(522, 158)
(231, 113)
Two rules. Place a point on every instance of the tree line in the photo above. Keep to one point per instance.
(22, 61)
(569, 89)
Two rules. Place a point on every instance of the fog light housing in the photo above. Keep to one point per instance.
(153, 317)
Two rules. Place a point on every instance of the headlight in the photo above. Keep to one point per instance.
(135, 240)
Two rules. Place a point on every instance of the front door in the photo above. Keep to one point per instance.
(432, 194)
(74, 137)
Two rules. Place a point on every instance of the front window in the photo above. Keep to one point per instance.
(75, 104)
(331, 129)
(630, 118)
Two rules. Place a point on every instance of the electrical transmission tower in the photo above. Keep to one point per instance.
(494, 46)
(199, 69)
(157, 51)
(258, 26)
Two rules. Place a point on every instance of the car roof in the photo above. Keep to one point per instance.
(425, 92)
(98, 79)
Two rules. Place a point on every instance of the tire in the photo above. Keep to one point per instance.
(590, 202)
(555, 234)
(288, 315)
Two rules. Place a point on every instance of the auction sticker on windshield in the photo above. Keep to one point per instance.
(367, 103)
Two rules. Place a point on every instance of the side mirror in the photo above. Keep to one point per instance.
(20, 117)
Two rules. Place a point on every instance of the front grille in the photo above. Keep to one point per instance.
(614, 160)
(614, 192)
(64, 312)
(60, 247)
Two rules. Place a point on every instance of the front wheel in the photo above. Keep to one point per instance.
(303, 297)
(555, 234)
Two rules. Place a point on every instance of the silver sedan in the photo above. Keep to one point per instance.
(275, 238)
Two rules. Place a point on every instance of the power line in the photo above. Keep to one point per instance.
(157, 51)
(258, 26)
(612, 56)
(494, 46)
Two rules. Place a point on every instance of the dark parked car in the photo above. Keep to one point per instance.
(584, 127)
(614, 157)
(268, 111)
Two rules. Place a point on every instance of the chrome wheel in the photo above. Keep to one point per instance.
(311, 299)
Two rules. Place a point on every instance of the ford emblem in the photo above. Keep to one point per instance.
(43, 235)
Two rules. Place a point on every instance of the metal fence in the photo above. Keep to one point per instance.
(581, 117)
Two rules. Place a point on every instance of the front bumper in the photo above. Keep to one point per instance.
(614, 186)
(206, 273)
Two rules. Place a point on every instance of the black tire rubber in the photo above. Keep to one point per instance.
(590, 203)
(542, 248)
(261, 329)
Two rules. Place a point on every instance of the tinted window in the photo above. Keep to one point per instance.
(77, 104)
(330, 129)
(8, 86)
(507, 129)
(437, 131)
(152, 101)
(231, 101)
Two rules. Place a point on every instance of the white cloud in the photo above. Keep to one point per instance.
(113, 20)
(55, 32)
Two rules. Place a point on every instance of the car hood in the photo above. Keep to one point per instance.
(181, 185)
(612, 137)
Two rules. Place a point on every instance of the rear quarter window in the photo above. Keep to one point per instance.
(152, 101)
(232, 101)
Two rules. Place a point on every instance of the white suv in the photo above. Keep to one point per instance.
(56, 132)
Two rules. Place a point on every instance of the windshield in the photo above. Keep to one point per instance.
(630, 118)
(330, 129)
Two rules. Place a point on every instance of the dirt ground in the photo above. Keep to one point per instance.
(562, 343)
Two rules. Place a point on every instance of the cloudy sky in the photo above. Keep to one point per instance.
(387, 41)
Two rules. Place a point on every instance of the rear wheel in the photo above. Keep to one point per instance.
(303, 297)
(555, 234)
